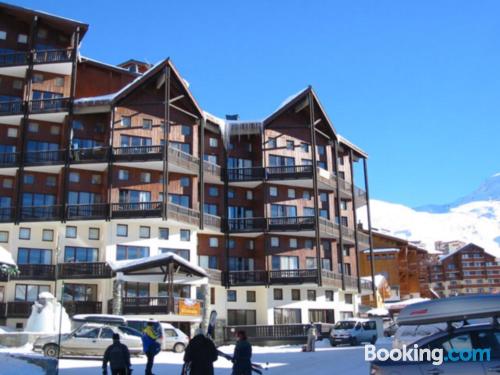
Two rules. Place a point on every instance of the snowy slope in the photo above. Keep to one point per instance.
(477, 222)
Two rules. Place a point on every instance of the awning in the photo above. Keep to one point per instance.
(158, 268)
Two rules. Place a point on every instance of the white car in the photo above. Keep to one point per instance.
(173, 338)
(353, 332)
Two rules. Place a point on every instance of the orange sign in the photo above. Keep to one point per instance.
(189, 307)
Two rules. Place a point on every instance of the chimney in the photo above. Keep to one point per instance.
(235, 117)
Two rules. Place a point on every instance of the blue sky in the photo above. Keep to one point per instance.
(415, 84)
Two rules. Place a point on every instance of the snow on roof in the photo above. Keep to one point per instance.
(120, 265)
(402, 304)
(6, 258)
(379, 311)
(453, 252)
(289, 99)
(116, 67)
(383, 250)
(349, 144)
(379, 279)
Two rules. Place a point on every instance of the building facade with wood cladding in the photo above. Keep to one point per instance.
(102, 163)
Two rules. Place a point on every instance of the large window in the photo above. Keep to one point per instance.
(30, 293)
(285, 262)
(208, 261)
(282, 210)
(81, 143)
(210, 208)
(322, 316)
(136, 289)
(131, 252)
(134, 141)
(281, 161)
(179, 199)
(239, 163)
(238, 212)
(36, 199)
(182, 291)
(287, 316)
(184, 147)
(80, 254)
(39, 146)
(34, 256)
(241, 317)
(180, 252)
(241, 264)
(83, 197)
(80, 292)
(134, 196)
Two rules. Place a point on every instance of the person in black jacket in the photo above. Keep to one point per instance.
(200, 354)
(242, 357)
(118, 356)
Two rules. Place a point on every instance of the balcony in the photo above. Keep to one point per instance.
(15, 58)
(183, 214)
(246, 278)
(182, 162)
(150, 305)
(86, 155)
(212, 222)
(136, 210)
(138, 153)
(35, 272)
(41, 213)
(9, 159)
(44, 157)
(7, 214)
(236, 175)
(83, 270)
(294, 223)
(11, 108)
(19, 309)
(86, 211)
(51, 56)
(247, 225)
(292, 172)
(213, 172)
(37, 106)
(284, 277)
(82, 307)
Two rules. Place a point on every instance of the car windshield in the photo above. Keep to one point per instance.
(346, 324)
(130, 331)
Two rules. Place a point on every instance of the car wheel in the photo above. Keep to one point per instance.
(51, 350)
(373, 340)
(179, 348)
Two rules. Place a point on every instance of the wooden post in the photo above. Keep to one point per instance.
(356, 240)
(166, 127)
(372, 264)
(340, 252)
(110, 163)
(201, 184)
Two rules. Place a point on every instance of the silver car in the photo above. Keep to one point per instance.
(353, 332)
(90, 339)
(469, 337)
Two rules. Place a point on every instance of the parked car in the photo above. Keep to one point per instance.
(390, 328)
(173, 338)
(90, 339)
(353, 332)
(406, 335)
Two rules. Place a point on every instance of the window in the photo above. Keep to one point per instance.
(185, 130)
(3, 35)
(251, 296)
(231, 296)
(147, 123)
(306, 195)
(144, 232)
(42, 33)
(321, 316)
(37, 78)
(122, 174)
(272, 142)
(126, 121)
(180, 252)
(34, 256)
(282, 210)
(346, 251)
(213, 191)
(77, 125)
(145, 177)
(293, 243)
(33, 127)
(281, 161)
(59, 82)
(22, 38)
(74, 177)
(131, 252)
(285, 262)
(96, 179)
(30, 293)
(326, 264)
(230, 193)
(4, 236)
(51, 181)
(311, 263)
(55, 130)
(185, 181)
(343, 204)
(241, 264)
(132, 289)
(24, 233)
(329, 295)
(74, 254)
(213, 242)
(163, 233)
(70, 232)
(208, 261)
(278, 294)
(47, 235)
(213, 142)
(185, 235)
(323, 197)
(179, 199)
(17, 84)
(308, 244)
(8, 183)
(304, 147)
(241, 317)
(290, 145)
(275, 241)
(249, 195)
(273, 191)
(291, 193)
(94, 233)
(250, 244)
(341, 160)
(12, 132)
(295, 294)
(122, 230)
(311, 295)
(321, 149)
(287, 316)
(348, 298)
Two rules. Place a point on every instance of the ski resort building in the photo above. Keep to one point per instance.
(100, 164)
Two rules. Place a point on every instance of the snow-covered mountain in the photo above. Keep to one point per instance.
(474, 218)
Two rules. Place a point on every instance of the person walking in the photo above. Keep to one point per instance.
(242, 357)
(200, 354)
(118, 356)
(150, 346)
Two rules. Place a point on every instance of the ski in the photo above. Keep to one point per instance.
(257, 368)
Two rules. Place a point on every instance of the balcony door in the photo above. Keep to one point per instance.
(238, 212)
(281, 161)
(282, 210)
(285, 262)
(79, 292)
(134, 196)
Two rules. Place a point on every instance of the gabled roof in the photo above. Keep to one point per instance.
(59, 22)
(102, 64)
(469, 246)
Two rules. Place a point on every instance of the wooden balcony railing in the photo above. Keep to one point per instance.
(82, 155)
(19, 309)
(82, 307)
(275, 332)
(41, 213)
(212, 221)
(14, 58)
(183, 159)
(50, 56)
(136, 209)
(251, 224)
(245, 174)
(150, 305)
(35, 272)
(49, 105)
(138, 153)
(291, 172)
(9, 159)
(240, 278)
(212, 169)
(86, 211)
(11, 107)
(293, 223)
(45, 157)
(84, 270)
(293, 276)
(183, 214)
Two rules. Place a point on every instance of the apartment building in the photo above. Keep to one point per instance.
(404, 266)
(468, 270)
(103, 163)
(445, 247)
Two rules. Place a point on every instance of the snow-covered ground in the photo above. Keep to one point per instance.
(280, 360)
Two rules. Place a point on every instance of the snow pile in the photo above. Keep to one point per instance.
(476, 222)
(48, 316)
(13, 365)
